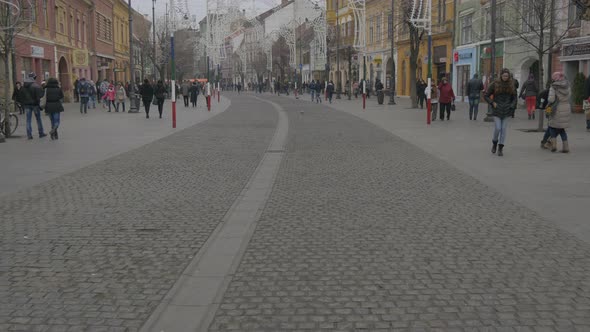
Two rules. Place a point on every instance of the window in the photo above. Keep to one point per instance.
(389, 26)
(574, 15)
(62, 24)
(378, 28)
(530, 20)
(442, 11)
(499, 20)
(34, 11)
(84, 31)
(104, 28)
(45, 17)
(371, 30)
(78, 37)
(466, 29)
(71, 26)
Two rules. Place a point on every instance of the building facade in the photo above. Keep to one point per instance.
(442, 48)
(121, 41)
(102, 48)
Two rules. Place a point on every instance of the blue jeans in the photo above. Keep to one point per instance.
(555, 131)
(546, 135)
(83, 104)
(473, 107)
(29, 110)
(312, 95)
(93, 100)
(500, 126)
(54, 117)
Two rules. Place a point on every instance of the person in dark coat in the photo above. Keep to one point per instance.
(194, 93)
(503, 105)
(529, 93)
(54, 96)
(160, 94)
(32, 94)
(330, 90)
(147, 95)
(18, 95)
(474, 88)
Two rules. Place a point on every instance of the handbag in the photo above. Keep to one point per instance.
(43, 101)
(154, 101)
(453, 107)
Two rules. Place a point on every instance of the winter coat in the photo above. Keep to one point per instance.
(19, 95)
(32, 93)
(121, 94)
(529, 89)
(561, 113)
(504, 96)
(474, 88)
(147, 92)
(185, 89)
(194, 92)
(54, 96)
(110, 94)
(330, 88)
(445, 93)
(83, 88)
(160, 92)
(542, 101)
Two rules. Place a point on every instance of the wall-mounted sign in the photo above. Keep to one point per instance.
(465, 56)
(37, 52)
(579, 49)
(80, 58)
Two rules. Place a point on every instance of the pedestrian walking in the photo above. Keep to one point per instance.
(503, 104)
(120, 95)
(421, 92)
(529, 93)
(446, 97)
(559, 99)
(433, 102)
(312, 90)
(53, 105)
(318, 93)
(147, 95)
(355, 87)
(474, 88)
(18, 95)
(379, 89)
(160, 94)
(83, 93)
(92, 94)
(76, 92)
(109, 96)
(32, 94)
(184, 89)
(194, 93)
(330, 90)
(542, 102)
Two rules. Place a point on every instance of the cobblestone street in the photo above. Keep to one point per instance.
(362, 231)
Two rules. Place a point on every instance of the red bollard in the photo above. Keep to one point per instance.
(173, 114)
(364, 100)
(209, 103)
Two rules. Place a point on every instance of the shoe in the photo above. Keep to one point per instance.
(42, 135)
(548, 145)
(544, 145)
(553, 145)
(474, 119)
(52, 134)
(494, 146)
(29, 137)
(500, 150)
(55, 135)
(566, 147)
(448, 118)
(533, 115)
(529, 116)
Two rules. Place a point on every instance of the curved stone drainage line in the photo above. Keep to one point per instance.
(191, 303)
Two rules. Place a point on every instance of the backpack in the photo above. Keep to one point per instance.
(83, 89)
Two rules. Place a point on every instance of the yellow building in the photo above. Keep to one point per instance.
(340, 42)
(378, 40)
(442, 47)
(121, 38)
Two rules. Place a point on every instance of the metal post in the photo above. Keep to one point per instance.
(154, 36)
(488, 117)
(173, 75)
(133, 107)
(429, 86)
(349, 72)
(337, 50)
(392, 83)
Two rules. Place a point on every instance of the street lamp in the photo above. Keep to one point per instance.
(337, 50)
(134, 105)
(392, 83)
(154, 35)
(489, 117)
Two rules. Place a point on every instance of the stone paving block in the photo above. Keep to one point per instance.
(360, 220)
(110, 239)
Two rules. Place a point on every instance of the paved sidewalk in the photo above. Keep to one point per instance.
(555, 185)
(97, 249)
(86, 139)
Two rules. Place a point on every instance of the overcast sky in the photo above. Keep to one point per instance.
(197, 7)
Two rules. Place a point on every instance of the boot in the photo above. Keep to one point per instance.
(500, 148)
(553, 145)
(566, 147)
(494, 146)
(547, 145)
(533, 115)
(529, 116)
(543, 143)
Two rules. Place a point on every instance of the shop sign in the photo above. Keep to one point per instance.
(580, 49)
(37, 52)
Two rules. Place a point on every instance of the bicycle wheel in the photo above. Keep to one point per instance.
(12, 123)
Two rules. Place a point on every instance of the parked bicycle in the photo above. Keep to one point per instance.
(8, 124)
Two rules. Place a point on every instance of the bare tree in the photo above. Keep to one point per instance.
(280, 57)
(415, 35)
(160, 59)
(534, 23)
(15, 17)
(259, 65)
